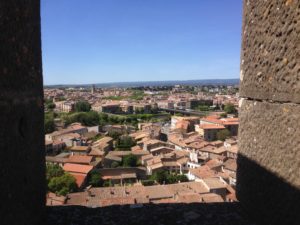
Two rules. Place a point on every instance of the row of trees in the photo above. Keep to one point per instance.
(127, 161)
(81, 106)
(92, 118)
(86, 118)
(161, 177)
(165, 177)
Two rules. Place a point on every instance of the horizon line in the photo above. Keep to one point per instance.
(124, 82)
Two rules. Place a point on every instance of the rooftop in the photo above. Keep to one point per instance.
(77, 168)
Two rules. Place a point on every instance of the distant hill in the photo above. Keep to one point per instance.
(153, 83)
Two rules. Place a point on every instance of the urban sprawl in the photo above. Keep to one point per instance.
(164, 144)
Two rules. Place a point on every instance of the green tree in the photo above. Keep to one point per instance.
(113, 134)
(103, 117)
(53, 170)
(160, 176)
(86, 118)
(92, 118)
(148, 182)
(96, 179)
(63, 185)
(223, 115)
(182, 178)
(50, 106)
(203, 108)
(164, 177)
(171, 178)
(229, 108)
(129, 161)
(107, 183)
(82, 106)
(49, 125)
(223, 134)
(125, 142)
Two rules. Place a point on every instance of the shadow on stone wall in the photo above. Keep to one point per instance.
(266, 197)
(214, 213)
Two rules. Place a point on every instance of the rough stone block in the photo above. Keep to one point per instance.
(268, 172)
(22, 161)
(270, 57)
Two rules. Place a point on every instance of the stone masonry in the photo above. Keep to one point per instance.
(269, 134)
(22, 189)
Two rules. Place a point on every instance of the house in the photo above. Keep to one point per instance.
(104, 144)
(79, 150)
(117, 156)
(142, 107)
(70, 139)
(186, 192)
(186, 141)
(153, 129)
(79, 172)
(150, 144)
(110, 108)
(161, 150)
(197, 158)
(232, 151)
(70, 136)
(197, 174)
(118, 175)
(97, 153)
(230, 124)
(64, 106)
(185, 123)
(56, 160)
(230, 167)
(80, 159)
(174, 162)
(216, 185)
(126, 108)
(209, 131)
(212, 152)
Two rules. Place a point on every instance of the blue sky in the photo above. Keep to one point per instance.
(99, 41)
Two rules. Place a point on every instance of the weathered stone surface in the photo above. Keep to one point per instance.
(270, 58)
(22, 189)
(205, 214)
(269, 161)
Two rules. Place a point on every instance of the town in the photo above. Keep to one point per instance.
(138, 145)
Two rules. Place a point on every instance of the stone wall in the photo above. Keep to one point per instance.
(269, 134)
(22, 189)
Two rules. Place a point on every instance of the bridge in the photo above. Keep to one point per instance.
(185, 112)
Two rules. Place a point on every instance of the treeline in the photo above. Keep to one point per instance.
(93, 118)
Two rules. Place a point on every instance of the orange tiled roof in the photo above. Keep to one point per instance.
(80, 159)
(211, 126)
(80, 178)
(77, 168)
